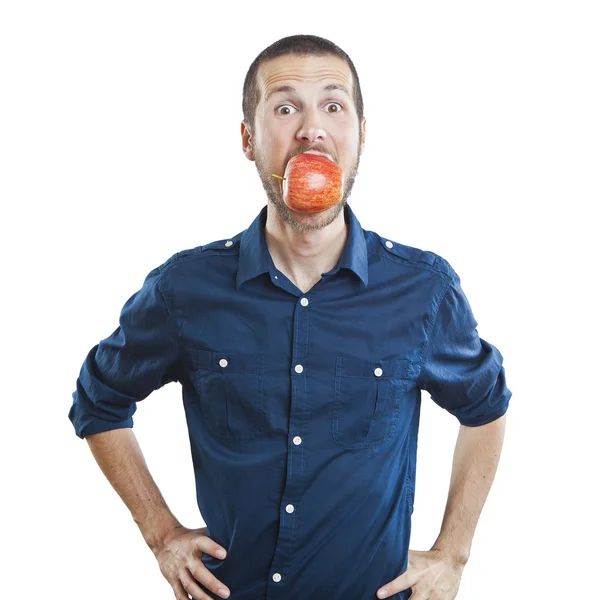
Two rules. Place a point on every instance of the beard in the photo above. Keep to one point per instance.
(274, 191)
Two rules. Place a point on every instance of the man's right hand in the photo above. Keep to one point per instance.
(179, 556)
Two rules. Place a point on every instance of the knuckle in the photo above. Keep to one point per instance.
(188, 586)
(200, 573)
(180, 596)
(192, 588)
(203, 575)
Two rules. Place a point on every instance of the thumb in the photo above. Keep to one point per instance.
(209, 546)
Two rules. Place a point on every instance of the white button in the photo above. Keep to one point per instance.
(223, 362)
(304, 301)
(228, 243)
(378, 372)
(276, 277)
(276, 577)
(297, 440)
(389, 244)
(289, 508)
(298, 368)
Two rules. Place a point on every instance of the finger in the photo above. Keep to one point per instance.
(416, 595)
(180, 593)
(205, 544)
(190, 585)
(208, 580)
(401, 583)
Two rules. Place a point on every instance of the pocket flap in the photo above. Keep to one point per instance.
(396, 368)
(225, 361)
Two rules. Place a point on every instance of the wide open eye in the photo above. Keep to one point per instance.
(335, 111)
(284, 106)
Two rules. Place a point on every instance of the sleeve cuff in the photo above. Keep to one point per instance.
(98, 426)
(498, 411)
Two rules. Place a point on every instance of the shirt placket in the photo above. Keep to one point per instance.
(290, 509)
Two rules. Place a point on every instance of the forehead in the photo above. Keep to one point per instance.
(294, 70)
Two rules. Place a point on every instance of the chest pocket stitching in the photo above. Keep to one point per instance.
(385, 398)
(222, 391)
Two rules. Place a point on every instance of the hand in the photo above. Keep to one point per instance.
(179, 556)
(432, 575)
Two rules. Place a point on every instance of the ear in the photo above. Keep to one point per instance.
(363, 127)
(246, 141)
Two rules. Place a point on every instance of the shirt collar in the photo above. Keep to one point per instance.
(255, 258)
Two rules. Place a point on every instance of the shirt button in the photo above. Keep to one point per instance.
(276, 577)
(228, 243)
(289, 508)
(378, 372)
(297, 440)
(304, 301)
(298, 368)
(389, 244)
(223, 362)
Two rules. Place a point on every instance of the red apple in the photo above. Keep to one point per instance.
(312, 183)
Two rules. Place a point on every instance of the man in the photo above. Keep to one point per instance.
(302, 344)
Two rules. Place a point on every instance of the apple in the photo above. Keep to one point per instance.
(312, 183)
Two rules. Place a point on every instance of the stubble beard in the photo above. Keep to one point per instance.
(274, 190)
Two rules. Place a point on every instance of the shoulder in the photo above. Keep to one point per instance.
(398, 253)
(224, 247)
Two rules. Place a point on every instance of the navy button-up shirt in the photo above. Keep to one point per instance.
(303, 408)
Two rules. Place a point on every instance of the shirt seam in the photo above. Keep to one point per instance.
(159, 284)
(430, 330)
(408, 263)
(163, 268)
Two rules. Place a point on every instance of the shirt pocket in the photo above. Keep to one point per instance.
(230, 392)
(368, 401)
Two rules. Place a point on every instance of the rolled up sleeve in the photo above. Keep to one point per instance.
(140, 356)
(462, 372)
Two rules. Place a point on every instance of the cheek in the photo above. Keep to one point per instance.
(271, 155)
(350, 149)
(279, 140)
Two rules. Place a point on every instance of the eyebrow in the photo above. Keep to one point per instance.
(290, 89)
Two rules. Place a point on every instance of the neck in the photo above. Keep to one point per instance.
(304, 256)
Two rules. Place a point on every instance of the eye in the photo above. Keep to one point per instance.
(284, 106)
(335, 111)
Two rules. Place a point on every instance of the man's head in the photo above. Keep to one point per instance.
(319, 108)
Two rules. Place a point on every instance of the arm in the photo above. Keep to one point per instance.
(463, 374)
(440, 569)
(140, 356)
(120, 458)
(177, 549)
(476, 458)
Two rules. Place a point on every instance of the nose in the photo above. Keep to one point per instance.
(311, 129)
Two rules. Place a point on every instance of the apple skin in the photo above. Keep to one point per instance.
(313, 183)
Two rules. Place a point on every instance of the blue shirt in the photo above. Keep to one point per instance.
(302, 408)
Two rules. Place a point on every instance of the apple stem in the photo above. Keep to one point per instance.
(278, 177)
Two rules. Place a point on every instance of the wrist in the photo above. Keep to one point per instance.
(155, 533)
(456, 557)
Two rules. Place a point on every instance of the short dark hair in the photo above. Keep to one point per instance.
(303, 45)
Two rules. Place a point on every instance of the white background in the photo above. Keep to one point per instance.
(120, 145)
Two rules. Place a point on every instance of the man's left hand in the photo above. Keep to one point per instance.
(432, 575)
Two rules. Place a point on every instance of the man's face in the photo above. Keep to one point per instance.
(309, 117)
